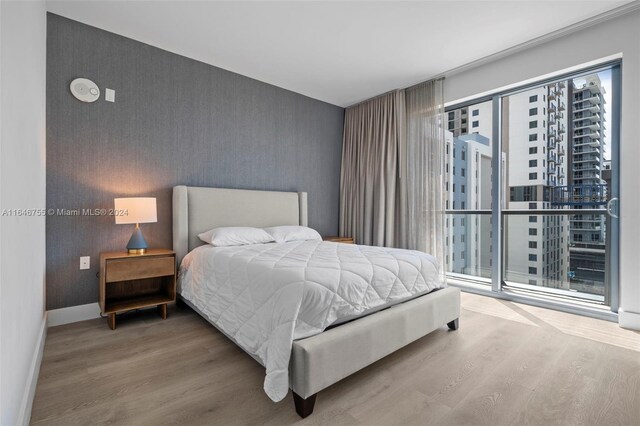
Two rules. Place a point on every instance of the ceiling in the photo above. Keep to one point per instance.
(339, 52)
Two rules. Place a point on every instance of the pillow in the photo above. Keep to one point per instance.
(282, 234)
(235, 236)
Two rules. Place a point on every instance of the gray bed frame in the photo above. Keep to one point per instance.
(319, 361)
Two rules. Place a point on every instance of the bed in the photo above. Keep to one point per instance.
(305, 331)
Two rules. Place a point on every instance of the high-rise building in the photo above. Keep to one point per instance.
(534, 138)
(586, 186)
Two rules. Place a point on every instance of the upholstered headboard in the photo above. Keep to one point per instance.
(198, 209)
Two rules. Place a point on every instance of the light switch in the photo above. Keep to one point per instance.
(109, 95)
(85, 262)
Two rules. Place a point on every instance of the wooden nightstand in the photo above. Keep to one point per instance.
(345, 240)
(133, 281)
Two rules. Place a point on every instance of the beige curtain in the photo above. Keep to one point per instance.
(425, 167)
(370, 196)
(392, 180)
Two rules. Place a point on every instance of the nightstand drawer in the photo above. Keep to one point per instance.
(135, 269)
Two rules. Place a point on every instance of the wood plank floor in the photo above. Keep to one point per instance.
(508, 364)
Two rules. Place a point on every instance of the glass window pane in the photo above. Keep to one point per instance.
(559, 161)
(468, 184)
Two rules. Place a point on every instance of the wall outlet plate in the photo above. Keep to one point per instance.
(109, 95)
(85, 262)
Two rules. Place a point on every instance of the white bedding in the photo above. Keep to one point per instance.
(265, 296)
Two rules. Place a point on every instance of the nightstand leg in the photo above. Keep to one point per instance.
(112, 321)
(162, 310)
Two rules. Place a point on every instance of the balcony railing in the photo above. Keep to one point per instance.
(578, 195)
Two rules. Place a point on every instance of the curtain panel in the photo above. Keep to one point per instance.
(373, 145)
(392, 178)
(425, 168)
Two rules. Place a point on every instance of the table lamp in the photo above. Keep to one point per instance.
(136, 210)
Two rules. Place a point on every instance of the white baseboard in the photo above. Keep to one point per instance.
(628, 319)
(73, 314)
(24, 416)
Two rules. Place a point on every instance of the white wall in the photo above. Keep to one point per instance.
(22, 185)
(620, 35)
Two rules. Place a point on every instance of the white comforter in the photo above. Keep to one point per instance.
(265, 296)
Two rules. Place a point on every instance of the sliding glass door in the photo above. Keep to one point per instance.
(546, 213)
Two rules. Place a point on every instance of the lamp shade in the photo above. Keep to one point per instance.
(135, 210)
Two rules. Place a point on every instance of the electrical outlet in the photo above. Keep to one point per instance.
(85, 261)
(110, 95)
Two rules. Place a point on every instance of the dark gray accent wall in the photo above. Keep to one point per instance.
(175, 121)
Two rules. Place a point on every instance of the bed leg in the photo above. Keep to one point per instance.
(304, 407)
(453, 325)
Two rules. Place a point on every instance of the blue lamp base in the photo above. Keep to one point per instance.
(137, 244)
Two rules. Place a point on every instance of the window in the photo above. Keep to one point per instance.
(533, 150)
(475, 112)
(533, 137)
(533, 124)
(475, 124)
(533, 163)
(533, 219)
(533, 244)
(463, 205)
(462, 189)
(533, 176)
(533, 111)
(462, 172)
(533, 98)
(523, 193)
(533, 257)
(464, 156)
(533, 206)
(533, 231)
(533, 270)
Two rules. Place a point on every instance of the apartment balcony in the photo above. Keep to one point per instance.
(561, 151)
(586, 106)
(586, 158)
(552, 157)
(587, 166)
(579, 194)
(586, 126)
(586, 227)
(592, 139)
(586, 97)
(585, 218)
(587, 150)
